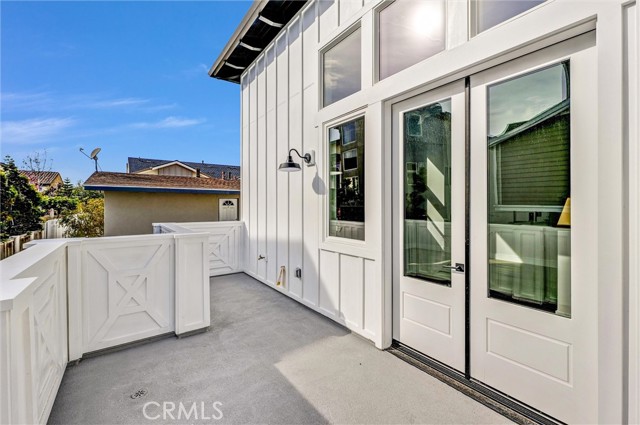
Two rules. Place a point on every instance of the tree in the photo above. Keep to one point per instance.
(37, 163)
(20, 205)
(86, 221)
(65, 189)
(80, 193)
(62, 205)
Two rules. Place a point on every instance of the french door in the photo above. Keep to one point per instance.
(532, 146)
(429, 224)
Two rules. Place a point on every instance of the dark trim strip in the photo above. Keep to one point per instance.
(493, 399)
(161, 190)
(467, 228)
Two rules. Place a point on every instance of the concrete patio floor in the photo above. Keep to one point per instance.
(266, 359)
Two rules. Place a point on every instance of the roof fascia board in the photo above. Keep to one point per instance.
(106, 188)
(241, 30)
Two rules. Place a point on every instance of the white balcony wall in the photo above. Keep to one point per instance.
(225, 242)
(33, 332)
(62, 298)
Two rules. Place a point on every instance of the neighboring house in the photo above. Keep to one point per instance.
(475, 195)
(133, 202)
(182, 168)
(43, 180)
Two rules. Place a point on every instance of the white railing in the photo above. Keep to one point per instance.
(225, 242)
(62, 298)
(347, 229)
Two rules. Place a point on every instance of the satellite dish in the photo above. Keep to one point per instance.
(94, 152)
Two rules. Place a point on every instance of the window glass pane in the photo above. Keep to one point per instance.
(341, 69)
(346, 180)
(529, 189)
(427, 192)
(489, 13)
(410, 31)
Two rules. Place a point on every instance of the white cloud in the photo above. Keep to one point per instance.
(33, 130)
(49, 102)
(27, 100)
(169, 122)
(116, 103)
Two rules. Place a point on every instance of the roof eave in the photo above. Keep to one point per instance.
(109, 188)
(241, 30)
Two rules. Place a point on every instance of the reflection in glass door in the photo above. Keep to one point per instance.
(529, 200)
(427, 192)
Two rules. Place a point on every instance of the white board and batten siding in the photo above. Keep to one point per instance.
(280, 97)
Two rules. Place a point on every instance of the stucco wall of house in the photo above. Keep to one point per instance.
(132, 213)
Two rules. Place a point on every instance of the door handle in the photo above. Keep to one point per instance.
(458, 267)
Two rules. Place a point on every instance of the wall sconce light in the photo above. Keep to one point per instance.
(309, 158)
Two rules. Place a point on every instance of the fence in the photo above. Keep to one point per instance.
(16, 243)
(53, 229)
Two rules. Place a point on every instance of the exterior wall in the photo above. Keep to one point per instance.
(133, 213)
(285, 213)
(172, 170)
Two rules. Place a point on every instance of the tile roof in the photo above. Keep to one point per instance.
(211, 170)
(108, 181)
(44, 177)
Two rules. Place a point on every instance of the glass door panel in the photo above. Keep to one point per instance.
(529, 189)
(427, 192)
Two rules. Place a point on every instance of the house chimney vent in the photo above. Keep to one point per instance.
(197, 172)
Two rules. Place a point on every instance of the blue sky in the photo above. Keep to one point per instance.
(129, 77)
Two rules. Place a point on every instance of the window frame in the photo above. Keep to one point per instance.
(337, 243)
(321, 69)
(473, 17)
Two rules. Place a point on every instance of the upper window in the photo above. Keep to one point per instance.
(489, 13)
(410, 31)
(342, 73)
(346, 180)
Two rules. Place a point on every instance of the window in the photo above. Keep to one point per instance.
(489, 13)
(529, 202)
(342, 72)
(346, 180)
(409, 31)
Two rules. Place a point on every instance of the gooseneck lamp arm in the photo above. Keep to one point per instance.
(306, 157)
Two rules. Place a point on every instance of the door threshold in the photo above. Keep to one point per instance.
(494, 400)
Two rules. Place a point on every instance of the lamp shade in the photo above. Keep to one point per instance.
(565, 216)
(289, 165)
